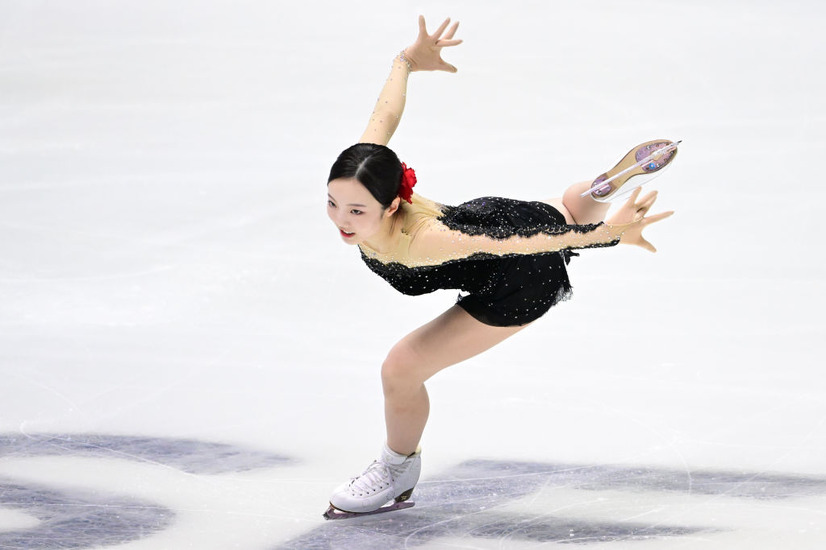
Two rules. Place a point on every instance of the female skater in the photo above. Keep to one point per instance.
(507, 256)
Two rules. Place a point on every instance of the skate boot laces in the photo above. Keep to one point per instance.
(375, 478)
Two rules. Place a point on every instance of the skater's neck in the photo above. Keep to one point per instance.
(386, 238)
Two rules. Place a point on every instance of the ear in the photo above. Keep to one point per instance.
(393, 207)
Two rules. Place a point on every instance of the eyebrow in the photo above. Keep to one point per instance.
(351, 204)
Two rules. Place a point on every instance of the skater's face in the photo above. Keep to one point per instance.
(354, 211)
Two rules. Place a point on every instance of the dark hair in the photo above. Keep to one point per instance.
(376, 167)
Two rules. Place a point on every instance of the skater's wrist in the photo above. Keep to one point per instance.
(616, 229)
(405, 60)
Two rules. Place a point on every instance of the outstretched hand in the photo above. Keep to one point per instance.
(633, 214)
(426, 52)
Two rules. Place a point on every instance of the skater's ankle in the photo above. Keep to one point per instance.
(399, 454)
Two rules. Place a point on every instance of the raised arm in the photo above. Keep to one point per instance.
(423, 55)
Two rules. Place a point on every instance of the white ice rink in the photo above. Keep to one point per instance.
(190, 355)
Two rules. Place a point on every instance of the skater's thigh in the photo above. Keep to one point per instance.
(448, 339)
(559, 205)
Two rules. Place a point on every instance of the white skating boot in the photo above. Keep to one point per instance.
(390, 478)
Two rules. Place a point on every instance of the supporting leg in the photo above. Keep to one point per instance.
(449, 339)
(406, 410)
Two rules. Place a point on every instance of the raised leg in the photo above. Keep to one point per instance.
(449, 339)
(578, 209)
(640, 164)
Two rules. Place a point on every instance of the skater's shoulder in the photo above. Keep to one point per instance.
(420, 208)
(419, 216)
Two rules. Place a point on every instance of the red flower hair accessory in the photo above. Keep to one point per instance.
(408, 181)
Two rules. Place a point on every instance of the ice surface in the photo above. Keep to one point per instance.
(189, 355)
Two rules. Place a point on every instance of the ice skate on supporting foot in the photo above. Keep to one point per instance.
(390, 479)
(640, 165)
(400, 503)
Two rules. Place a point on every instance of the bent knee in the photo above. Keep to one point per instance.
(400, 368)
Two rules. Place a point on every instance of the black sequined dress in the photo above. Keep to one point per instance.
(507, 256)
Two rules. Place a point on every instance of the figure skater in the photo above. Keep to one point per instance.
(508, 258)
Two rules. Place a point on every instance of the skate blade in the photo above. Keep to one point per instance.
(334, 513)
(635, 169)
(625, 191)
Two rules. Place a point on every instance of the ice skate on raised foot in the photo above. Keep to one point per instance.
(640, 165)
(385, 486)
